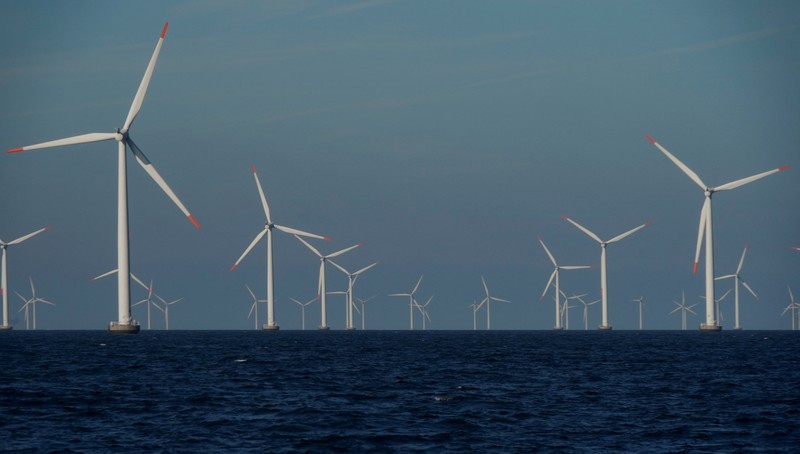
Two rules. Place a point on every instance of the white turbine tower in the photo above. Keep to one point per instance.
(792, 306)
(364, 310)
(705, 228)
(32, 304)
(303, 309)
(351, 280)
(321, 286)
(555, 274)
(125, 324)
(410, 302)
(4, 273)
(423, 308)
(254, 307)
(682, 307)
(737, 277)
(474, 307)
(165, 309)
(639, 300)
(603, 274)
(148, 300)
(585, 310)
(268, 227)
(488, 301)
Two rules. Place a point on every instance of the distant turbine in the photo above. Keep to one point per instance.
(351, 280)
(736, 278)
(795, 248)
(124, 323)
(410, 302)
(254, 306)
(364, 310)
(639, 300)
(565, 310)
(423, 308)
(585, 310)
(165, 309)
(303, 309)
(682, 307)
(705, 228)
(321, 286)
(603, 279)
(268, 227)
(32, 303)
(4, 277)
(474, 307)
(793, 306)
(488, 301)
(556, 270)
(148, 300)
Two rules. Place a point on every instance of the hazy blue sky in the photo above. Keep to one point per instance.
(444, 135)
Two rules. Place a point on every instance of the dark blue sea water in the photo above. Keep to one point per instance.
(239, 391)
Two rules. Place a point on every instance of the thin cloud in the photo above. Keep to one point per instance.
(722, 42)
(346, 9)
(509, 78)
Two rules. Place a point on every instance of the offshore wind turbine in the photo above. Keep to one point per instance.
(682, 307)
(321, 286)
(639, 300)
(364, 310)
(792, 306)
(585, 310)
(303, 310)
(268, 227)
(603, 275)
(736, 278)
(254, 306)
(124, 323)
(423, 308)
(4, 273)
(148, 300)
(474, 307)
(351, 280)
(165, 309)
(32, 303)
(565, 310)
(555, 274)
(488, 301)
(705, 229)
(410, 302)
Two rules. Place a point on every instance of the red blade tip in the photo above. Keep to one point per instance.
(564, 216)
(648, 223)
(694, 271)
(327, 238)
(783, 168)
(164, 31)
(194, 221)
(48, 227)
(253, 166)
(652, 140)
(15, 150)
(232, 268)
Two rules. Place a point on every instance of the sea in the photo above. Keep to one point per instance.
(400, 391)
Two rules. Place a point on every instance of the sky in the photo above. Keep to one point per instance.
(446, 136)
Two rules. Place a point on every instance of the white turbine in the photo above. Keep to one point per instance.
(555, 274)
(705, 228)
(603, 275)
(4, 273)
(585, 310)
(254, 306)
(165, 309)
(565, 310)
(488, 301)
(148, 300)
(793, 306)
(423, 308)
(351, 280)
(737, 277)
(303, 309)
(32, 304)
(268, 227)
(717, 305)
(682, 307)
(474, 307)
(639, 300)
(364, 310)
(125, 324)
(410, 302)
(321, 285)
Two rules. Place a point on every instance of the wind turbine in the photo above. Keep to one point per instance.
(148, 300)
(351, 280)
(4, 276)
(474, 307)
(565, 310)
(639, 300)
(410, 302)
(321, 286)
(32, 303)
(488, 301)
(603, 276)
(736, 278)
(303, 309)
(254, 306)
(364, 310)
(125, 324)
(555, 274)
(793, 306)
(268, 227)
(682, 307)
(705, 228)
(165, 309)
(585, 310)
(423, 308)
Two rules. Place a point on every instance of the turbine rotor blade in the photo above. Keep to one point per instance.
(741, 261)
(628, 233)
(312, 248)
(74, 140)
(583, 229)
(362, 270)
(552, 259)
(299, 232)
(680, 165)
(338, 253)
(744, 181)
(484, 286)
(251, 294)
(700, 233)
(103, 275)
(249, 248)
(261, 195)
(549, 281)
(340, 267)
(574, 267)
(151, 170)
(750, 290)
(417, 286)
(148, 74)
(25, 237)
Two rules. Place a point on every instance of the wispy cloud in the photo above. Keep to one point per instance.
(509, 78)
(352, 7)
(722, 42)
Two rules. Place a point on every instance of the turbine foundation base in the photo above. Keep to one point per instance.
(558, 328)
(323, 328)
(605, 328)
(351, 329)
(6, 327)
(266, 327)
(710, 328)
(119, 328)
